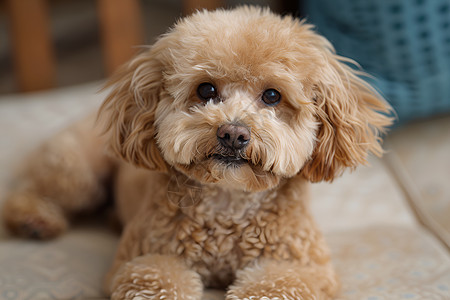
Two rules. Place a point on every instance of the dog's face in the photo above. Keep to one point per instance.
(243, 98)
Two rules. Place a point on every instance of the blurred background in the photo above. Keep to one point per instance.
(404, 45)
(55, 43)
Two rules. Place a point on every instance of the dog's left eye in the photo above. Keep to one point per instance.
(206, 91)
(271, 97)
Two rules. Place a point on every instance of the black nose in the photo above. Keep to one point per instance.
(234, 137)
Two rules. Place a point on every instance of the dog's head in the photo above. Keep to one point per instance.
(243, 98)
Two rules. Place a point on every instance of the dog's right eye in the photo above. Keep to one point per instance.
(206, 91)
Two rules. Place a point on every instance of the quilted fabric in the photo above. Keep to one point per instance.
(71, 267)
(404, 44)
(390, 262)
(420, 160)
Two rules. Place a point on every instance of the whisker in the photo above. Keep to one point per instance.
(258, 136)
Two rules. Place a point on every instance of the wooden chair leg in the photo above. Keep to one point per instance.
(120, 30)
(33, 55)
(189, 6)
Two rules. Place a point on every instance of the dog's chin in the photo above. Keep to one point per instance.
(231, 172)
(228, 161)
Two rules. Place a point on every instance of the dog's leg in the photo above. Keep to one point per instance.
(65, 176)
(139, 275)
(284, 280)
(155, 276)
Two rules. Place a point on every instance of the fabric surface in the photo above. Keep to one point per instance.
(390, 262)
(404, 44)
(377, 247)
(422, 163)
(365, 197)
(71, 267)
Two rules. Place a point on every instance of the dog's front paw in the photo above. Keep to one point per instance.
(284, 289)
(143, 286)
(156, 277)
(276, 280)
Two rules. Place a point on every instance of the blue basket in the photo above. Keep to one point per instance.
(404, 44)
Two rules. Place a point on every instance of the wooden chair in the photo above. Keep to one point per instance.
(34, 55)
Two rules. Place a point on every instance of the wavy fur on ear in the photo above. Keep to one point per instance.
(352, 116)
(129, 110)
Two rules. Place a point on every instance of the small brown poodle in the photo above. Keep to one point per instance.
(220, 127)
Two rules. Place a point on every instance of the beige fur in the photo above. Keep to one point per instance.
(190, 220)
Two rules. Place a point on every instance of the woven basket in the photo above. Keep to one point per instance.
(404, 44)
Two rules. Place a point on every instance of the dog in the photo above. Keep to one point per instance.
(216, 130)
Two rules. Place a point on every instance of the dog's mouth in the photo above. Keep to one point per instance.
(228, 160)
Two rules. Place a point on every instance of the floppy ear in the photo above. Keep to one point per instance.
(128, 112)
(352, 115)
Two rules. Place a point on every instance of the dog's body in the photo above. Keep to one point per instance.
(229, 115)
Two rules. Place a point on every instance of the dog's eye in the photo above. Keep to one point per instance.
(271, 97)
(206, 91)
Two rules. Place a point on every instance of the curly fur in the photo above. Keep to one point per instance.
(190, 220)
